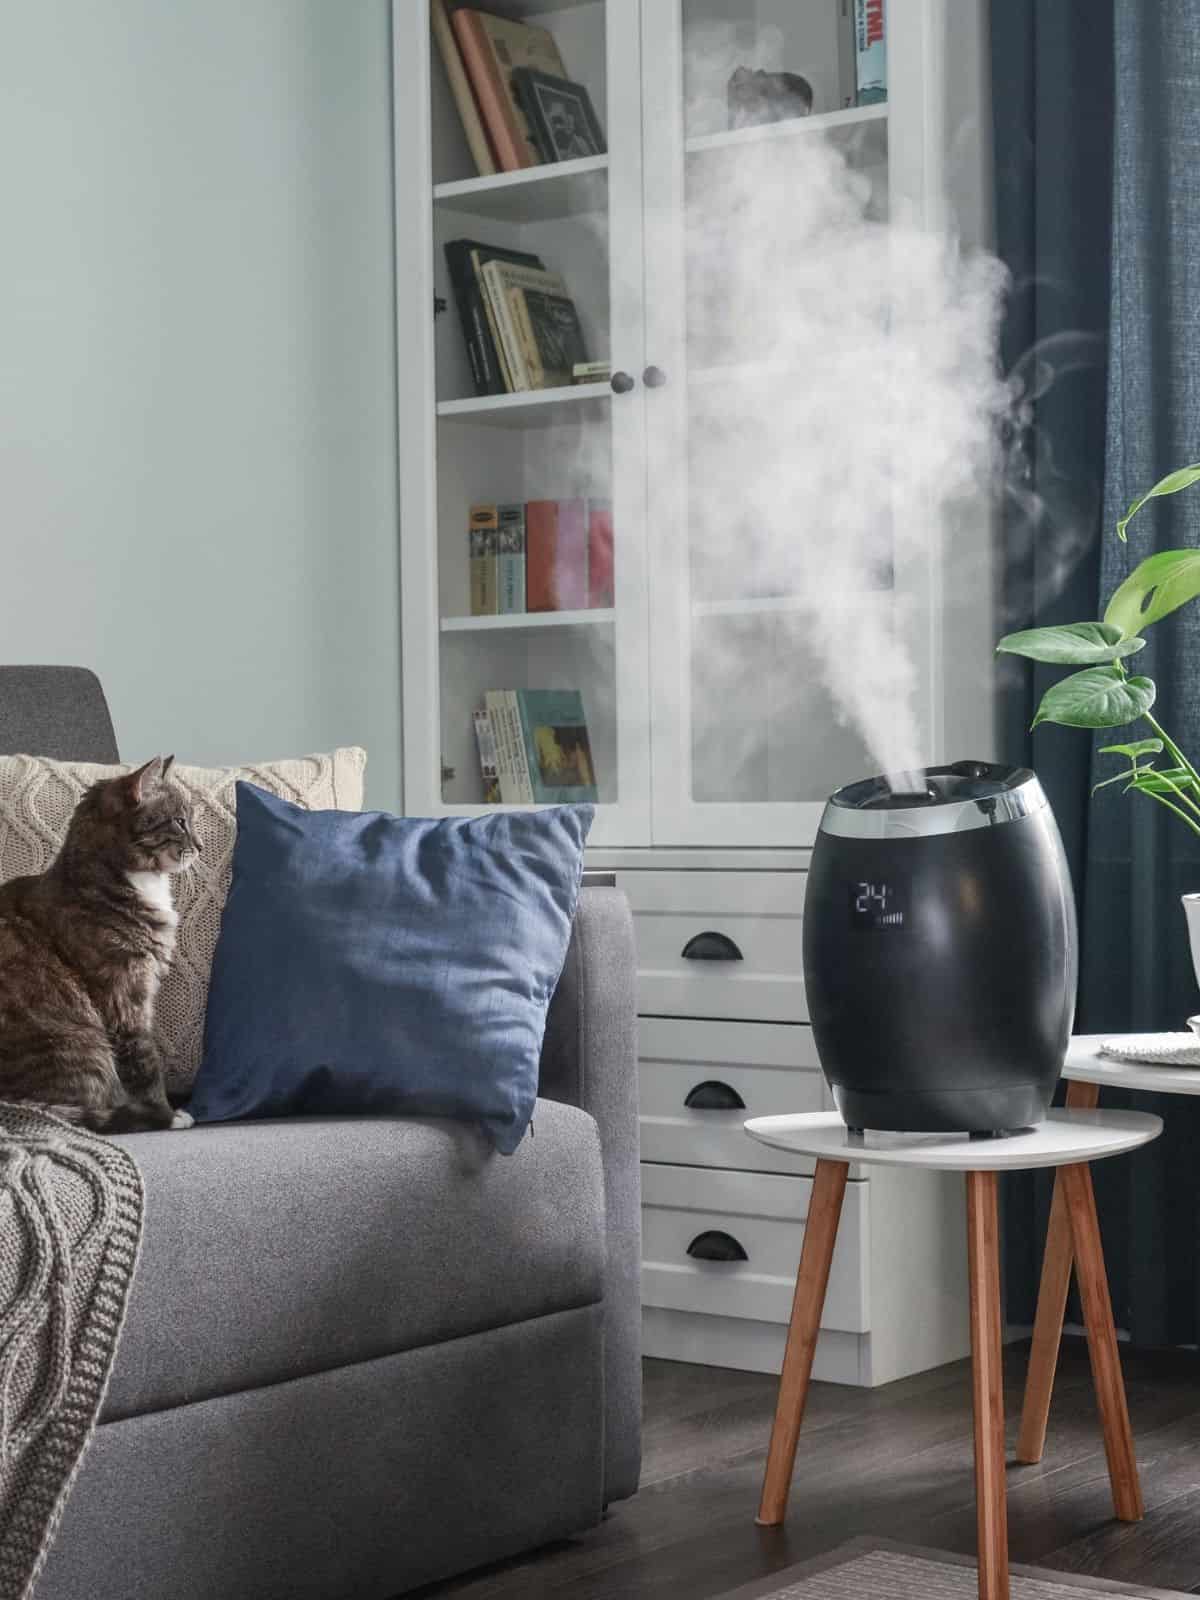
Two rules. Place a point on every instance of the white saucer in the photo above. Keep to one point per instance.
(1155, 1049)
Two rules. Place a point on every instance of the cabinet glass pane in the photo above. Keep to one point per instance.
(780, 145)
(519, 431)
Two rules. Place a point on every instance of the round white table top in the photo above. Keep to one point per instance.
(1064, 1137)
(1085, 1063)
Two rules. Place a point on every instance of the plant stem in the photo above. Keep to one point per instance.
(1171, 806)
(1173, 749)
(1175, 789)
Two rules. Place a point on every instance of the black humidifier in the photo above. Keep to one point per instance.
(940, 951)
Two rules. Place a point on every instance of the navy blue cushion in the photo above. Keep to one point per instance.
(371, 963)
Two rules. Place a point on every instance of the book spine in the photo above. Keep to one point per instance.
(480, 350)
(601, 588)
(847, 56)
(482, 542)
(460, 88)
(526, 338)
(497, 716)
(513, 150)
(483, 300)
(493, 278)
(510, 562)
(871, 50)
(522, 769)
(488, 770)
(541, 540)
(571, 556)
(538, 792)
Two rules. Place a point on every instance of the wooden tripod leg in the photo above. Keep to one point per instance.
(1102, 1342)
(987, 1383)
(820, 1236)
(1051, 1307)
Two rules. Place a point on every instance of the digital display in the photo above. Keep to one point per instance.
(878, 905)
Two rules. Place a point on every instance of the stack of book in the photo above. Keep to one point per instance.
(534, 747)
(520, 324)
(543, 555)
(517, 106)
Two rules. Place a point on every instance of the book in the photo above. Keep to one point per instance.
(500, 321)
(847, 56)
(510, 559)
(492, 49)
(464, 259)
(482, 541)
(870, 45)
(556, 555)
(512, 764)
(460, 88)
(600, 591)
(547, 328)
(591, 372)
(558, 752)
(486, 741)
(559, 115)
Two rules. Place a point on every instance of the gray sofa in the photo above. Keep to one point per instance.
(322, 1396)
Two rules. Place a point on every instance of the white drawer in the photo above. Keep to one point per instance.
(771, 1067)
(757, 913)
(763, 1214)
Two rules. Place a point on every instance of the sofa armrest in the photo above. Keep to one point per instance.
(589, 1059)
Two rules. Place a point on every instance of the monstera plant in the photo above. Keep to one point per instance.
(1104, 693)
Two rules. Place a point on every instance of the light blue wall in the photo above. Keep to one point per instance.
(197, 415)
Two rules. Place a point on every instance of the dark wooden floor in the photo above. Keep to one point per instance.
(894, 1462)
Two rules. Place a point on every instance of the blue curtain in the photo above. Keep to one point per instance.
(1096, 108)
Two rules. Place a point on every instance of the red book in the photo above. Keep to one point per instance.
(600, 554)
(556, 555)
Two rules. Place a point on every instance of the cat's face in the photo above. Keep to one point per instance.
(141, 822)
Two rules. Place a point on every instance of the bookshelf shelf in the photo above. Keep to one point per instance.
(838, 124)
(537, 194)
(524, 620)
(533, 407)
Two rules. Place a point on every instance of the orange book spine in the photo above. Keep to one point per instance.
(541, 555)
(507, 136)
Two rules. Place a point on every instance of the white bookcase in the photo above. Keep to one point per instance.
(686, 666)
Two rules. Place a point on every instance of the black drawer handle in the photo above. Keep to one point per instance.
(715, 1246)
(714, 1096)
(710, 946)
(620, 383)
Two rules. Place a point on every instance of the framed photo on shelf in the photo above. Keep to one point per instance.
(560, 115)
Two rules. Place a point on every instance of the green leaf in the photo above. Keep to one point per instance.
(1164, 780)
(1077, 644)
(1096, 698)
(1143, 747)
(1155, 588)
(1181, 478)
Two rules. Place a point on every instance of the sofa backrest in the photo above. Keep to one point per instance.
(59, 712)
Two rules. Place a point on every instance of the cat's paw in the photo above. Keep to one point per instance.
(183, 1119)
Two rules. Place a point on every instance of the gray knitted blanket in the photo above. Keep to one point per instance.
(70, 1225)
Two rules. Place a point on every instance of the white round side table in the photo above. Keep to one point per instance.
(1086, 1072)
(1067, 1140)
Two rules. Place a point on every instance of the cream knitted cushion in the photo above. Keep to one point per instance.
(37, 797)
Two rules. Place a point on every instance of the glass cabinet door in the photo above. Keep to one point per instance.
(770, 144)
(524, 583)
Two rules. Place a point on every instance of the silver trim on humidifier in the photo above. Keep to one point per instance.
(845, 819)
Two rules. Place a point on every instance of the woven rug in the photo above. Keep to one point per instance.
(70, 1225)
(878, 1570)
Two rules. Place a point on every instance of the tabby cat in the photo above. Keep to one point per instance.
(83, 949)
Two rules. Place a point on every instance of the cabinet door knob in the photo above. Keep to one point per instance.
(620, 383)
(716, 1246)
(714, 1096)
(654, 377)
(711, 946)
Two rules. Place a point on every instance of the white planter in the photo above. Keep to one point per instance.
(1191, 908)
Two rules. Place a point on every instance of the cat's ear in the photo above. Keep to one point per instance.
(167, 763)
(134, 786)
